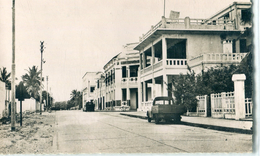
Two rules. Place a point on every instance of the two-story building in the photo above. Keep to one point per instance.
(88, 87)
(121, 79)
(175, 44)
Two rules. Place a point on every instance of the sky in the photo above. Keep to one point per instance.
(82, 35)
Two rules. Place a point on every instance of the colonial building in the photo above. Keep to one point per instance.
(174, 44)
(88, 87)
(121, 79)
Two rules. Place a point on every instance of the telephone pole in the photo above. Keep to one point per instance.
(13, 70)
(42, 49)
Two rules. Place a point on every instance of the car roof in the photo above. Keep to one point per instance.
(163, 98)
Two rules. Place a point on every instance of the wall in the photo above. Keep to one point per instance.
(27, 105)
(2, 98)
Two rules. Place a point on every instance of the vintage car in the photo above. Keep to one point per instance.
(89, 107)
(165, 108)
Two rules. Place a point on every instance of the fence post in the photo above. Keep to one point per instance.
(239, 93)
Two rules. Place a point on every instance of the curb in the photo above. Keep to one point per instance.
(214, 127)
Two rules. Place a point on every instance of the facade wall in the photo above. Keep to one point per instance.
(2, 98)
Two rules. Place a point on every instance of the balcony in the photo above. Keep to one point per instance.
(129, 81)
(169, 64)
(217, 58)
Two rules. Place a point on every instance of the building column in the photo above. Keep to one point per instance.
(164, 57)
(164, 51)
(144, 91)
(239, 93)
(153, 91)
(128, 95)
(163, 86)
(139, 89)
(153, 80)
(144, 60)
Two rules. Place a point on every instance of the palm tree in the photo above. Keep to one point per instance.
(32, 82)
(76, 97)
(5, 76)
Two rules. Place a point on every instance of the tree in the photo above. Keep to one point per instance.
(184, 89)
(32, 82)
(5, 76)
(76, 98)
(215, 80)
(44, 97)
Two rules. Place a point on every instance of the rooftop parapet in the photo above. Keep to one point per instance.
(190, 24)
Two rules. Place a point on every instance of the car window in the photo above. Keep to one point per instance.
(163, 102)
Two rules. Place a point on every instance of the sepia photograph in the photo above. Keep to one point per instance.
(128, 77)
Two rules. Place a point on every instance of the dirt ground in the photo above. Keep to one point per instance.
(34, 137)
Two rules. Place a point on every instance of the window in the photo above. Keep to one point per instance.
(92, 89)
(133, 71)
(123, 71)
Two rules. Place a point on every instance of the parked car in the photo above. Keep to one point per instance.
(165, 108)
(89, 107)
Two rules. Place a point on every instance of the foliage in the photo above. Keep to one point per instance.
(246, 67)
(50, 99)
(5, 76)
(32, 82)
(215, 80)
(60, 105)
(76, 99)
(184, 89)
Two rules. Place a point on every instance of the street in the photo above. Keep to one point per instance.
(110, 132)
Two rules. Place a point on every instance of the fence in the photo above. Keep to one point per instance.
(202, 105)
(248, 107)
(222, 105)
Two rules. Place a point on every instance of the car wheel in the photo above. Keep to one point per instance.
(156, 120)
(178, 119)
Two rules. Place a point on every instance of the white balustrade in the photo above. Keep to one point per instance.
(176, 62)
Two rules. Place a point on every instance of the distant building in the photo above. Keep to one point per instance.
(88, 86)
(118, 86)
(174, 45)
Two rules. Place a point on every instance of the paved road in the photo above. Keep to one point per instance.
(109, 132)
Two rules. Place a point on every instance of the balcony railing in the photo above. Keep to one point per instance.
(217, 58)
(190, 24)
(172, 63)
(176, 62)
(157, 65)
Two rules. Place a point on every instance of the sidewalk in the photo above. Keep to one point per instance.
(207, 122)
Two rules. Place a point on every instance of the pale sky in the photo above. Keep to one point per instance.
(82, 35)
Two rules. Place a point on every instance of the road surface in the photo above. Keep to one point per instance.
(110, 132)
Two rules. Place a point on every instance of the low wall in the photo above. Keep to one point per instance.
(2, 98)
(27, 105)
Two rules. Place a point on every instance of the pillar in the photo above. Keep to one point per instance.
(153, 90)
(164, 87)
(164, 51)
(187, 22)
(139, 89)
(239, 93)
(144, 91)
(144, 60)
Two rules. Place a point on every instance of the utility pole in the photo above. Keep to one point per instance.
(13, 70)
(42, 49)
(47, 93)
